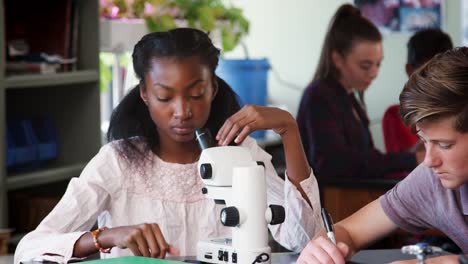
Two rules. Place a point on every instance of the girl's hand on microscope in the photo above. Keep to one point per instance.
(251, 118)
(143, 240)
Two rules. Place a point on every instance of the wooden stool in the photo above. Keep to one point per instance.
(4, 238)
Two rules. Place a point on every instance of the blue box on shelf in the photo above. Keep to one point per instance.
(31, 142)
(46, 138)
(24, 148)
(10, 149)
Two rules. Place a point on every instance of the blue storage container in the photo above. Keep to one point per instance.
(248, 78)
(45, 138)
(22, 135)
(10, 149)
(30, 142)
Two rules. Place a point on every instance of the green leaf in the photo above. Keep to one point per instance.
(206, 18)
(138, 7)
(160, 23)
(105, 77)
(228, 39)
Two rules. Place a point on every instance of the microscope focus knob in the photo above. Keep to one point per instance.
(277, 214)
(229, 216)
(206, 171)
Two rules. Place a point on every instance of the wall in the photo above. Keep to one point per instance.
(291, 38)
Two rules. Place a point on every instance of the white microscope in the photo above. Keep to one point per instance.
(230, 174)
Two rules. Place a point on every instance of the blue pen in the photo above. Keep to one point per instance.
(328, 223)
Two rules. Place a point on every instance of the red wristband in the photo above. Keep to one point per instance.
(95, 234)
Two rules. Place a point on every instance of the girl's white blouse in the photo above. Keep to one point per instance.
(169, 195)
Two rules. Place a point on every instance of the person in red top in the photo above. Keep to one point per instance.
(397, 136)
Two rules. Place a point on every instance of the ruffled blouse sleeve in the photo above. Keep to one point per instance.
(85, 198)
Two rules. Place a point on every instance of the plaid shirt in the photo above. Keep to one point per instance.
(337, 144)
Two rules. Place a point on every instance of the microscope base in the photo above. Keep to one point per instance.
(221, 251)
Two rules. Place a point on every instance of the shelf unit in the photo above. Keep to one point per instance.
(70, 98)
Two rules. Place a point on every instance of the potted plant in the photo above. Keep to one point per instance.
(161, 15)
(226, 25)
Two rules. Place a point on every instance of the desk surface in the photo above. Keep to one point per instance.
(380, 256)
(362, 257)
(8, 259)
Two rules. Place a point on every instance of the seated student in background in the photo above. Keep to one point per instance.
(143, 187)
(435, 194)
(334, 126)
(422, 46)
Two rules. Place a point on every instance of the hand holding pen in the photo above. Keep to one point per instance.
(328, 223)
(323, 249)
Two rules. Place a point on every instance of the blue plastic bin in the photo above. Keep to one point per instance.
(22, 135)
(30, 142)
(46, 138)
(10, 149)
(248, 78)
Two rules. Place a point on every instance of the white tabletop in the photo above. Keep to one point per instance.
(8, 259)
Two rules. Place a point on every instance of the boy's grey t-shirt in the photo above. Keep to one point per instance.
(420, 202)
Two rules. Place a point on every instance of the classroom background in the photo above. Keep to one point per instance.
(73, 105)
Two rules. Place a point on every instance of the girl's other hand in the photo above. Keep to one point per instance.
(251, 118)
(143, 240)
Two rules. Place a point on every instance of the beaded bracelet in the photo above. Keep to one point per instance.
(95, 234)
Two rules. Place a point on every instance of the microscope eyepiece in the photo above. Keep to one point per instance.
(204, 138)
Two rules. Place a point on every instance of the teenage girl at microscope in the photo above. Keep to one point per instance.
(143, 187)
